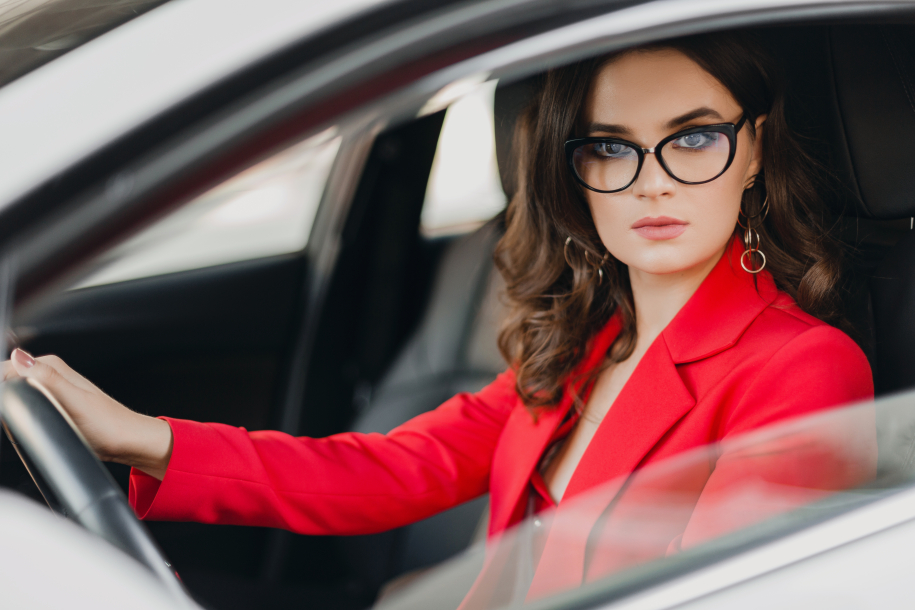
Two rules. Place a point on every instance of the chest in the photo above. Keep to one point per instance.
(563, 457)
(657, 410)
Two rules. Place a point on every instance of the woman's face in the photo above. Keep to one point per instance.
(658, 225)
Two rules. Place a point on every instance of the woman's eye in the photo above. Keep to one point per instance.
(611, 149)
(697, 140)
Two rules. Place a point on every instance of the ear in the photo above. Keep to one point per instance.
(755, 164)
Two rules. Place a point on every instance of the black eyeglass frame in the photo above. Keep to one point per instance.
(730, 131)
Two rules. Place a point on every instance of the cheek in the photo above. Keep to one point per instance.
(711, 211)
(716, 223)
(610, 217)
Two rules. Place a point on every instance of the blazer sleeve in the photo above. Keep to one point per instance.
(777, 470)
(349, 483)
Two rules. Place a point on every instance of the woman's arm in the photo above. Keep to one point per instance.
(114, 432)
(345, 484)
(349, 483)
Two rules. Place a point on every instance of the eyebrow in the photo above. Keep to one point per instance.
(692, 115)
(699, 113)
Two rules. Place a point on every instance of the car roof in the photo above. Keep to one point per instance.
(61, 112)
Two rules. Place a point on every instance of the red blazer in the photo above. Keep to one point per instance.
(739, 355)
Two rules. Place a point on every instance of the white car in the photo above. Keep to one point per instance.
(280, 214)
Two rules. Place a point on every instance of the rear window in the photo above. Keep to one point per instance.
(33, 32)
(464, 189)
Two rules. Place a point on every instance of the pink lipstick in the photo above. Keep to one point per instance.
(662, 227)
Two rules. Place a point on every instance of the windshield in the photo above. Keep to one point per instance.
(691, 511)
(33, 32)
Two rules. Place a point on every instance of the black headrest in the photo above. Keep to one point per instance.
(874, 74)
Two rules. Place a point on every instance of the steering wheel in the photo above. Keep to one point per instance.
(49, 443)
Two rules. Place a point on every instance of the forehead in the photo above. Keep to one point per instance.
(642, 89)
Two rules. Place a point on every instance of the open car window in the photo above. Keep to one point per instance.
(693, 511)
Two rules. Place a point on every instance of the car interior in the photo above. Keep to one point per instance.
(411, 317)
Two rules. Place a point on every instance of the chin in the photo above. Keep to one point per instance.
(667, 260)
(663, 265)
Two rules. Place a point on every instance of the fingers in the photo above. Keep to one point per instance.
(50, 370)
(32, 368)
(64, 370)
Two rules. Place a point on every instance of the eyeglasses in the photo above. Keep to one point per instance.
(693, 156)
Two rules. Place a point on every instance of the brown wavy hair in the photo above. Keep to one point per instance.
(557, 305)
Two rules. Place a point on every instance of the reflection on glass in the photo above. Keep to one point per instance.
(464, 189)
(264, 211)
(696, 509)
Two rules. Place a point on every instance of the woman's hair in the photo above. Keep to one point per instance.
(557, 304)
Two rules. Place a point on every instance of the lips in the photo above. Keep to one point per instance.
(662, 227)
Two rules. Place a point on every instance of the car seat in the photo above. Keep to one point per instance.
(872, 71)
(452, 350)
(852, 88)
(875, 100)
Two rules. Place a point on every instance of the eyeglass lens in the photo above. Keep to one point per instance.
(694, 157)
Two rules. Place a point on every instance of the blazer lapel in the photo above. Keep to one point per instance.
(524, 439)
(522, 443)
(652, 401)
(655, 397)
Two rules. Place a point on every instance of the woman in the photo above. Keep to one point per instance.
(671, 285)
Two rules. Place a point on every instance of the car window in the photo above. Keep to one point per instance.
(694, 510)
(33, 32)
(464, 189)
(266, 210)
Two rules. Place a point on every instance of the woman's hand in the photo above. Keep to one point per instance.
(114, 432)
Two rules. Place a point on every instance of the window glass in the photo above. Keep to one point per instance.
(832, 470)
(464, 188)
(264, 211)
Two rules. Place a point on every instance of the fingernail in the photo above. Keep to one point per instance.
(23, 358)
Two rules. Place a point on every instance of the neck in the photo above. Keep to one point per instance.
(658, 297)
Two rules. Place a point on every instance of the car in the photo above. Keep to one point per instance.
(281, 214)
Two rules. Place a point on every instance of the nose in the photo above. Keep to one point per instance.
(653, 182)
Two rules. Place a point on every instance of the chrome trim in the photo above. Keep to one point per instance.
(839, 531)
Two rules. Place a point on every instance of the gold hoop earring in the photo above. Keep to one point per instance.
(749, 234)
(763, 212)
(600, 264)
(600, 268)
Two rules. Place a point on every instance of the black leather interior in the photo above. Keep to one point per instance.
(874, 75)
(453, 349)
